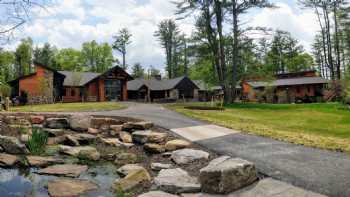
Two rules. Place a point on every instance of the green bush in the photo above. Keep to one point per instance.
(37, 142)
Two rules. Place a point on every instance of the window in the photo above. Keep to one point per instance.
(64, 92)
(72, 92)
(308, 89)
(298, 90)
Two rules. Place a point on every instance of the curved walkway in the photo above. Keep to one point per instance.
(317, 170)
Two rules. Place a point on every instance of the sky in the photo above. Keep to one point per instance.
(69, 23)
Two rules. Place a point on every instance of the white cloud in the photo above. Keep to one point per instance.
(302, 25)
(72, 22)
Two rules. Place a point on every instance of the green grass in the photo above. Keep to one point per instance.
(37, 142)
(323, 125)
(69, 107)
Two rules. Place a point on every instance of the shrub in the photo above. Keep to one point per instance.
(121, 193)
(37, 142)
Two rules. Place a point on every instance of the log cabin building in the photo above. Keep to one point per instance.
(303, 86)
(162, 90)
(46, 85)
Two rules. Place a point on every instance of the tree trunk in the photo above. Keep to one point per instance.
(337, 40)
(219, 21)
(234, 48)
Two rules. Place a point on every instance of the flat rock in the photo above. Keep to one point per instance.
(36, 119)
(267, 187)
(43, 161)
(16, 120)
(125, 137)
(116, 128)
(148, 136)
(80, 122)
(125, 158)
(157, 194)
(69, 170)
(99, 122)
(80, 139)
(54, 132)
(25, 138)
(115, 142)
(70, 187)
(71, 140)
(132, 180)
(12, 145)
(56, 140)
(83, 152)
(93, 131)
(176, 144)
(154, 148)
(128, 168)
(176, 181)
(57, 123)
(224, 175)
(143, 125)
(7, 160)
(160, 166)
(186, 156)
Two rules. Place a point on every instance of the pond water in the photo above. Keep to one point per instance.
(26, 183)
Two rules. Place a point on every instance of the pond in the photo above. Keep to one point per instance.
(25, 182)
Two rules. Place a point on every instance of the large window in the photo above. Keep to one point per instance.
(113, 89)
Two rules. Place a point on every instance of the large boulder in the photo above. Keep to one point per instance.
(176, 144)
(82, 152)
(70, 187)
(132, 180)
(128, 168)
(176, 181)
(148, 136)
(69, 170)
(225, 175)
(186, 156)
(154, 148)
(7, 160)
(57, 123)
(12, 145)
(80, 122)
(38, 161)
(157, 194)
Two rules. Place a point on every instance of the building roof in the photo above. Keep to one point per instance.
(78, 78)
(155, 84)
(289, 82)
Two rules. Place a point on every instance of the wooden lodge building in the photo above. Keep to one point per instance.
(162, 90)
(303, 86)
(47, 85)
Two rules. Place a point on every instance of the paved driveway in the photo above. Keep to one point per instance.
(317, 170)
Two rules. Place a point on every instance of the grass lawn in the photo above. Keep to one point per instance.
(322, 125)
(69, 107)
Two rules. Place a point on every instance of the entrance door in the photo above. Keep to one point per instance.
(113, 90)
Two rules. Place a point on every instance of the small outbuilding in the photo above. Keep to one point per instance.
(162, 90)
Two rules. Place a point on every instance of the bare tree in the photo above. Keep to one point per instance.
(15, 13)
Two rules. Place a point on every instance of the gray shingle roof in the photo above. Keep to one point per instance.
(289, 82)
(78, 78)
(154, 84)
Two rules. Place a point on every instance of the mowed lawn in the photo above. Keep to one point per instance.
(69, 107)
(323, 125)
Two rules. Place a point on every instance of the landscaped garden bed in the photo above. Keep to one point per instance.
(74, 155)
